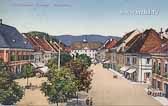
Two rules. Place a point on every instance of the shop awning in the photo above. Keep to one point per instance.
(34, 65)
(107, 61)
(44, 69)
(130, 71)
(40, 64)
(125, 68)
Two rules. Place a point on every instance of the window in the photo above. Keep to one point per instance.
(128, 60)
(147, 75)
(154, 67)
(134, 60)
(147, 60)
(158, 84)
(165, 68)
(13, 58)
(159, 66)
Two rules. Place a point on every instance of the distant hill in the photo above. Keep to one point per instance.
(68, 39)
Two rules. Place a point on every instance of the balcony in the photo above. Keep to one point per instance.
(20, 59)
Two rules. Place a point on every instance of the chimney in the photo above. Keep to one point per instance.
(161, 30)
(161, 33)
(0, 21)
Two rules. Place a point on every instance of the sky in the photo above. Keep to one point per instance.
(106, 17)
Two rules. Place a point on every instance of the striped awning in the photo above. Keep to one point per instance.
(130, 71)
(125, 68)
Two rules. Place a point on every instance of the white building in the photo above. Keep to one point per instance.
(88, 48)
(89, 52)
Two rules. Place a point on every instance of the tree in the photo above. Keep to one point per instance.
(10, 91)
(81, 73)
(27, 72)
(85, 59)
(61, 85)
(64, 58)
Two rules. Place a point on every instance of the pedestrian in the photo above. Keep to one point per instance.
(87, 101)
(91, 101)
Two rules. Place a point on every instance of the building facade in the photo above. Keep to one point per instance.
(15, 50)
(85, 47)
(160, 69)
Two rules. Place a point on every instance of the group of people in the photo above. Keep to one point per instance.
(89, 101)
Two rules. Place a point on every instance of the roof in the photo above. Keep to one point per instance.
(132, 41)
(55, 46)
(162, 49)
(11, 38)
(39, 43)
(124, 37)
(145, 42)
(82, 45)
(110, 43)
(127, 40)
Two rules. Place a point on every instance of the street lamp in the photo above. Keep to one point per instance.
(59, 55)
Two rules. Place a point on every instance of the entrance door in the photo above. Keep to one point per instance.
(166, 90)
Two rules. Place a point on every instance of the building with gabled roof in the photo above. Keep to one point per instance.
(145, 42)
(104, 52)
(138, 57)
(43, 49)
(15, 50)
(120, 47)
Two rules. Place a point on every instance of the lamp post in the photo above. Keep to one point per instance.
(59, 56)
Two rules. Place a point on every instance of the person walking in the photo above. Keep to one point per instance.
(87, 101)
(91, 101)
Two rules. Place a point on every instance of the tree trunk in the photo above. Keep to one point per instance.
(27, 81)
(77, 97)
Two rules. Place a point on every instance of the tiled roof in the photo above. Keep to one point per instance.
(54, 46)
(124, 37)
(132, 41)
(39, 43)
(35, 45)
(11, 38)
(43, 43)
(110, 43)
(162, 49)
(145, 42)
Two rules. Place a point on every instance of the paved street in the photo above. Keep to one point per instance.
(107, 91)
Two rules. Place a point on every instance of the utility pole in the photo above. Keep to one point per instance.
(59, 56)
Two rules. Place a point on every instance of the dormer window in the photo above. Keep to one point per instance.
(13, 40)
(25, 42)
